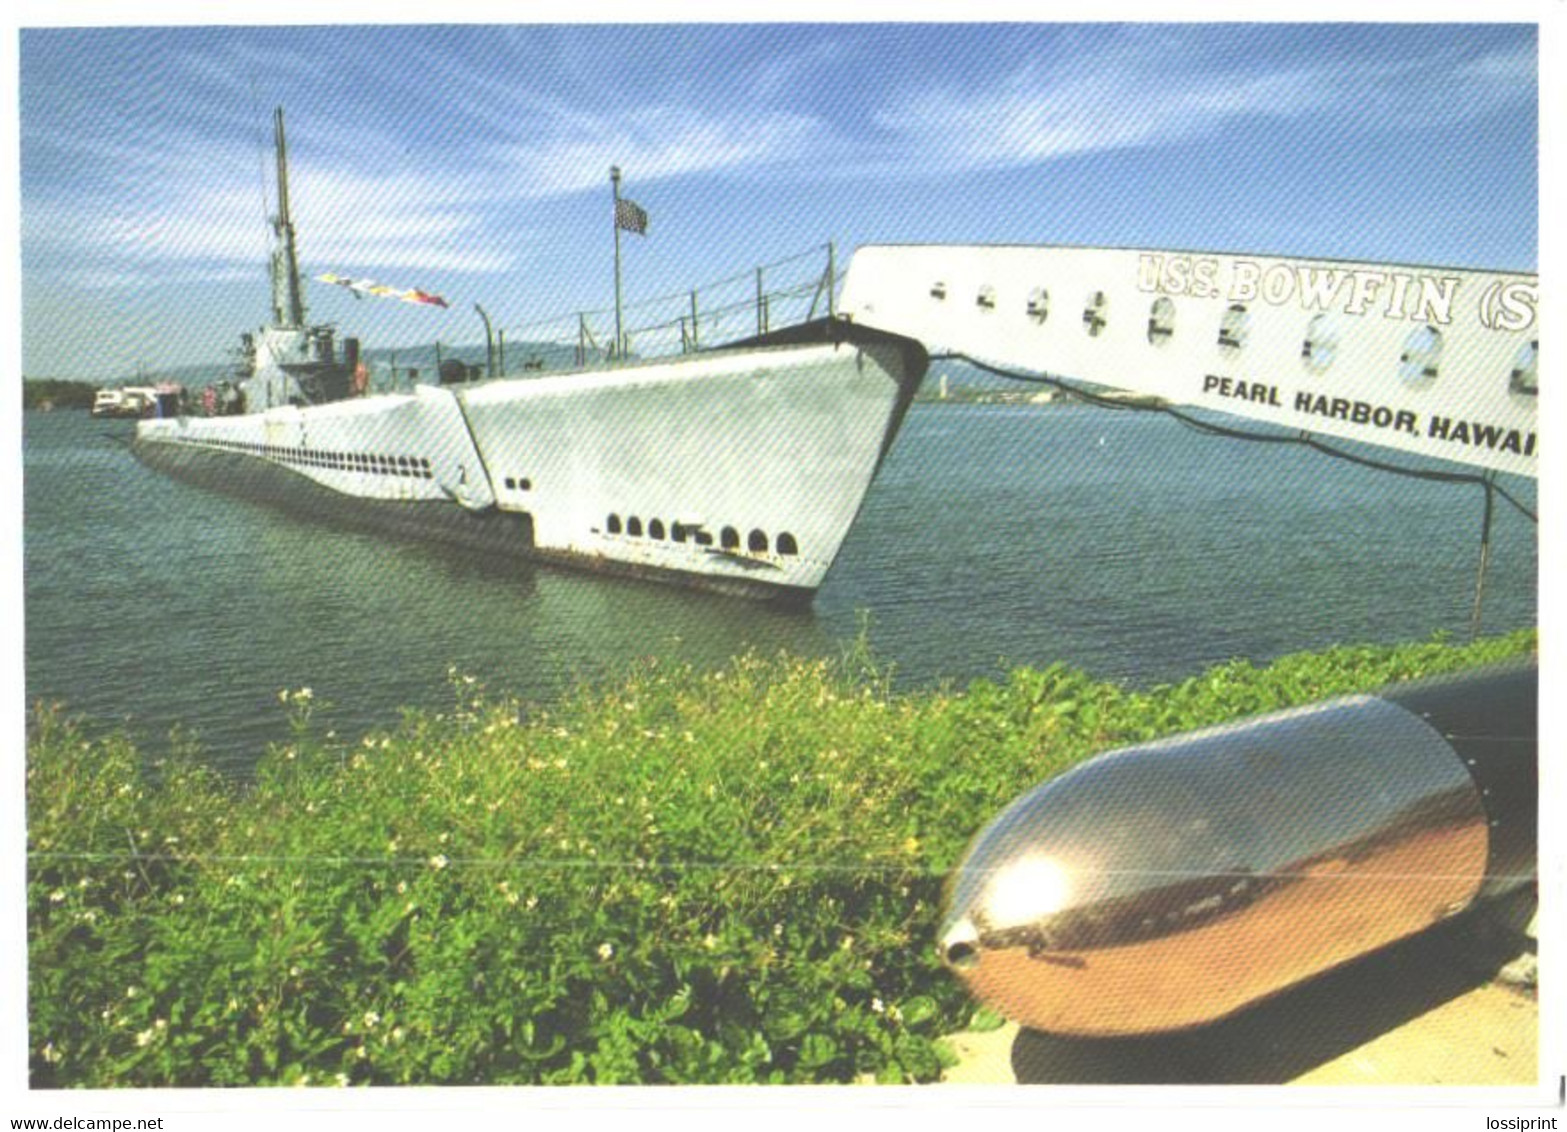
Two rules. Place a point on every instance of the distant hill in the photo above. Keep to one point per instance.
(519, 359)
(53, 393)
(552, 355)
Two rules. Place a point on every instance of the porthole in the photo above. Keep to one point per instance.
(612, 524)
(1161, 321)
(655, 528)
(634, 527)
(677, 532)
(1234, 328)
(786, 544)
(938, 290)
(1095, 313)
(1039, 304)
(702, 538)
(511, 484)
(525, 484)
(1320, 348)
(1422, 356)
(756, 542)
(729, 539)
(1524, 379)
(986, 299)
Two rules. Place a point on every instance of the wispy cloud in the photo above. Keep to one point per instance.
(1157, 88)
(391, 175)
(178, 218)
(664, 141)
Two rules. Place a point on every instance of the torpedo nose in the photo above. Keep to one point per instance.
(959, 947)
(1168, 885)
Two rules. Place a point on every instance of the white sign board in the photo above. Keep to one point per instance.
(1436, 361)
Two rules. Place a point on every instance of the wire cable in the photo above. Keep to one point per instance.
(1303, 439)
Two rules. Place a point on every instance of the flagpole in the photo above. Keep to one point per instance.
(614, 180)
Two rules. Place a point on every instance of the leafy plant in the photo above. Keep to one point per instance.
(670, 877)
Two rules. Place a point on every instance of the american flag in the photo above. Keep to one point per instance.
(631, 217)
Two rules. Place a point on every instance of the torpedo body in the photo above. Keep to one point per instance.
(1171, 884)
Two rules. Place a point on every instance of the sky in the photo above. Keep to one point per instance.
(472, 160)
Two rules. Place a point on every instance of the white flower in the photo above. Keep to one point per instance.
(877, 1006)
(606, 951)
(439, 861)
(371, 1019)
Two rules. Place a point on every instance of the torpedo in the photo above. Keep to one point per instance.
(1172, 884)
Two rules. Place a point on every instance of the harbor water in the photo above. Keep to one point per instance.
(996, 536)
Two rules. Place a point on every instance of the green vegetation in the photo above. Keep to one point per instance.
(676, 877)
(54, 393)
